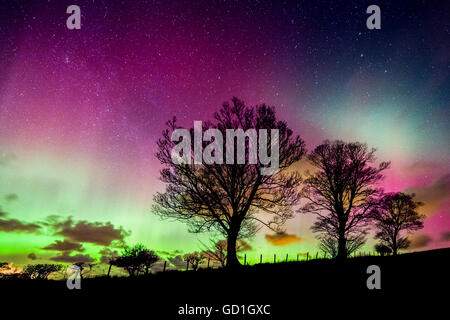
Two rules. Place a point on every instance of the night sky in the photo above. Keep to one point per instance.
(81, 110)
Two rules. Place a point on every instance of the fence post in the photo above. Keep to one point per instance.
(260, 259)
(297, 257)
(274, 258)
(208, 263)
(245, 259)
(164, 269)
(286, 257)
(187, 265)
(307, 256)
(316, 255)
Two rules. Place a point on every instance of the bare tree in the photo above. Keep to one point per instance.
(231, 198)
(40, 271)
(341, 191)
(194, 259)
(397, 213)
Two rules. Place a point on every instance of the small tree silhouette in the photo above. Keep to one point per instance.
(136, 259)
(382, 249)
(40, 271)
(194, 259)
(396, 213)
(217, 250)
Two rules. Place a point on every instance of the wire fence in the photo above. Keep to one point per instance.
(300, 257)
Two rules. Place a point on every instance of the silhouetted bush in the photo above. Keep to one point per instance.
(40, 271)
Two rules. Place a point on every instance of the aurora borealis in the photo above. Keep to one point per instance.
(81, 110)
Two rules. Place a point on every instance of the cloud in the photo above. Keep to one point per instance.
(14, 225)
(163, 253)
(422, 168)
(177, 262)
(11, 197)
(67, 258)
(32, 256)
(419, 241)
(445, 236)
(65, 245)
(282, 239)
(159, 266)
(243, 245)
(107, 254)
(434, 196)
(101, 233)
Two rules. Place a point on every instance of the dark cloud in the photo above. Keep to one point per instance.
(433, 196)
(67, 258)
(159, 266)
(32, 256)
(65, 245)
(243, 245)
(107, 254)
(101, 233)
(119, 244)
(169, 253)
(445, 236)
(11, 197)
(177, 262)
(422, 168)
(14, 225)
(419, 241)
(282, 239)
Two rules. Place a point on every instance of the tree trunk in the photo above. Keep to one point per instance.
(232, 260)
(394, 248)
(394, 244)
(342, 246)
(109, 270)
